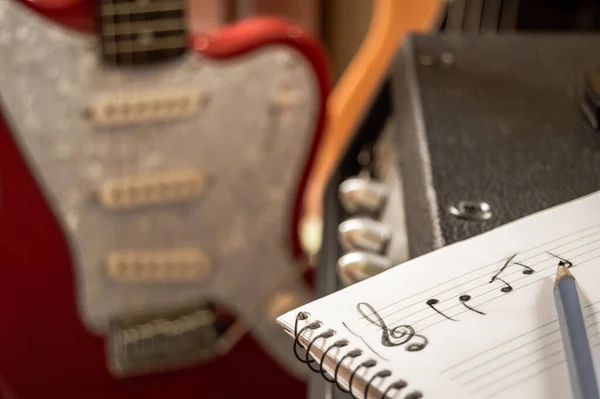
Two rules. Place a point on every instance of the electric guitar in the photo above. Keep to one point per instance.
(150, 187)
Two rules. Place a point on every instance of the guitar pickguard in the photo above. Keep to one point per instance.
(248, 138)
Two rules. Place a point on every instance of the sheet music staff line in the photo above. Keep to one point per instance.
(512, 339)
(483, 363)
(520, 380)
(494, 289)
(490, 265)
(501, 295)
(513, 383)
(501, 261)
(504, 365)
(501, 379)
(507, 275)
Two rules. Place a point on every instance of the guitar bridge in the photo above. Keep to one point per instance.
(152, 189)
(165, 340)
(162, 266)
(143, 108)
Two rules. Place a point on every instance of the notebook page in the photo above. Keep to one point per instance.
(482, 310)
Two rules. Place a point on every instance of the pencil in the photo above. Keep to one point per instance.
(574, 336)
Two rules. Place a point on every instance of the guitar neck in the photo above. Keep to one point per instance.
(141, 32)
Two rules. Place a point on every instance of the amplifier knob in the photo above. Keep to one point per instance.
(358, 266)
(362, 194)
(364, 234)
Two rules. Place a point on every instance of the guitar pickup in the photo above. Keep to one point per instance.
(143, 108)
(152, 189)
(158, 266)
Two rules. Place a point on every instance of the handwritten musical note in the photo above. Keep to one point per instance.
(563, 261)
(506, 288)
(432, 302)
(398, 335)
(464, 298)
(495, 276)
(528, 270)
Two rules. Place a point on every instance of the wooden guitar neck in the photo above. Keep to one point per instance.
(390, 22)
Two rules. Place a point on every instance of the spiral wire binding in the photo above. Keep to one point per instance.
(353, 353)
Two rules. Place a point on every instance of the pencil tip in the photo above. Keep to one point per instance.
(563, 271)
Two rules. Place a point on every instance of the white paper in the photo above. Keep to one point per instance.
(514, 350)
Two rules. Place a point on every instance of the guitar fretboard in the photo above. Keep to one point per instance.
(139, 32)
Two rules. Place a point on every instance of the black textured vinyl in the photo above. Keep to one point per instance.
(502, 124)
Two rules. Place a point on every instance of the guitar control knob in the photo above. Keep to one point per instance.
(358, 266)
(362, 194)
(364, 234)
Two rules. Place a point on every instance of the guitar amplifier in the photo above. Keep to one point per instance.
(485, 129)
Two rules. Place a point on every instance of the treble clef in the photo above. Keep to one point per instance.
(396, 336)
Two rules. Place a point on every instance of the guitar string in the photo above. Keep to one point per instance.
(129, 165)
(178, 237)
(157, 239)
(120, 164)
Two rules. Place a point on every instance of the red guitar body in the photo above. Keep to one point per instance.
(45, 350)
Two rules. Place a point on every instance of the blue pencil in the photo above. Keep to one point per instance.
(578, 353)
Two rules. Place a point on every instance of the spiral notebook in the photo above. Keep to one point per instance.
(475, 319)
